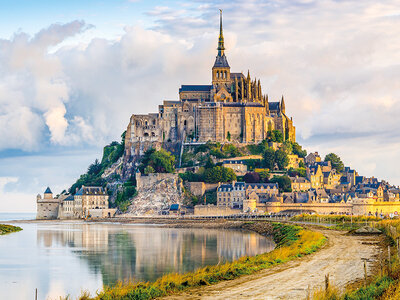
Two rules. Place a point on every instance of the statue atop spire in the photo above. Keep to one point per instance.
(221, 47)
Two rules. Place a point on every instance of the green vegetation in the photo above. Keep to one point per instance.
(284, 183)
(292, 241)
(4, 229)
(281, 159)
(124, 194)
(111, 153)
(219, 174)
(160, 161)
(301, 172)
(275, 136)
(336, 162)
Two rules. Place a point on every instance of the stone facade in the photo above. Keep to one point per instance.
(87, 202)
(232, 109)
(47, 207)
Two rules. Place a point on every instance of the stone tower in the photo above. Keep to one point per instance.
(221, 71)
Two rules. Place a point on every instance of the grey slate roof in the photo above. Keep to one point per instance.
(91, 190)
(69, 198)
(274, 105)
(195, 88)
(221, 62)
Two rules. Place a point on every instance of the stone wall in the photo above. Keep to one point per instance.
(47, 209)
(214, 210)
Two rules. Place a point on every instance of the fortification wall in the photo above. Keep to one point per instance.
(214, 210)
(47, 209)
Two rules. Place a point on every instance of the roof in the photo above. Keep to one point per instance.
(174, 207)
(195, 88)
(237, 75)
(274, 105)
(69, 198)
(264, 185)
(235, 162)
(91, 190)
(48, 191)
(221, 62)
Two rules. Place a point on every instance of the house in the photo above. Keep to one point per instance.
(331, 179)
(231, 195)
(294, 161)
(238, 166)
(300, 184)
(315, 176)
(312, 158)
(174, 209)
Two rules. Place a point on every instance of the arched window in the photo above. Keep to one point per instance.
(154, 122)
(145, 134)
(153, 134)
(184, 123)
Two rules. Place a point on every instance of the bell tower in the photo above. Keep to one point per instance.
(221, 71)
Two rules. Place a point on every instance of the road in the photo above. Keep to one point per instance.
(341, 258)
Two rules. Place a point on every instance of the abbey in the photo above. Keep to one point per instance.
(232, 108)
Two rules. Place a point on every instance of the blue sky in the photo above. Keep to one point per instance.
(72, 73)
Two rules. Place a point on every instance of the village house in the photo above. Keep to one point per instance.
(294, 161)
(312, 158)
(238, 166)
(300, 184)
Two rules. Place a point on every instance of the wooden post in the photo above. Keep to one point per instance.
(36, 294)
(308, 293)
(326, 282)
(365, 273)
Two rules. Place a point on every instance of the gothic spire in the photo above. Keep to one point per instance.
(221, 47)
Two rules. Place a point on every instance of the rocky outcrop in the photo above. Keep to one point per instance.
(156, 192)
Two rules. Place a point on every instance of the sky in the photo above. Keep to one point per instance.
(72, 72)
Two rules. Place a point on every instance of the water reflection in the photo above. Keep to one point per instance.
(67, 257)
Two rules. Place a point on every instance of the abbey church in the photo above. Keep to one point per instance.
(232, 108)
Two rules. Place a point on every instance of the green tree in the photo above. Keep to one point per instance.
(148, 170)
(269, 158)
(219, 174)
(284, 183)
(336, 162)
(161, 161)
(264, 176)
(228, 136)
(281, 159)
(298, 150)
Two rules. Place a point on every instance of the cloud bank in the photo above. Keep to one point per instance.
(336, 63)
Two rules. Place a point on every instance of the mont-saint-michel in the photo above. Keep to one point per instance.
(248, 155)
(225, 140)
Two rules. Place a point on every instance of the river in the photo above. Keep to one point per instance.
(64, 258)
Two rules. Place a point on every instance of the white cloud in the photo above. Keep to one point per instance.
(335, 62)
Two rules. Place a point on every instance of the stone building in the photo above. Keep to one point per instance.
(233, 108)
(47, 207)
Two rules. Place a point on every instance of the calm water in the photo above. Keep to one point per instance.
(64, 258)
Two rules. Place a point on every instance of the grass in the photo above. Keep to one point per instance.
(4, 229)
(292, 242)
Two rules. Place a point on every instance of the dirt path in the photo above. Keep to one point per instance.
(341, 258)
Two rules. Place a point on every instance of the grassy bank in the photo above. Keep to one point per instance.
(4, 229)
(292, 242)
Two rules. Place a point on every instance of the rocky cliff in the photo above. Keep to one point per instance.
(156, 192)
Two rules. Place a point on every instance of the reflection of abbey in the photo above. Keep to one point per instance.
(233, 108)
